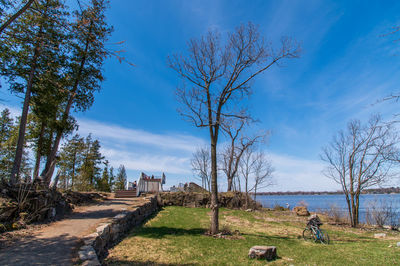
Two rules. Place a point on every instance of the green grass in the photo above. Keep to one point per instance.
(176, 236)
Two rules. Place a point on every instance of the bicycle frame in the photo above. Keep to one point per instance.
(316, 231)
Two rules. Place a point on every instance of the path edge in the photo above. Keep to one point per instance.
(95, 245)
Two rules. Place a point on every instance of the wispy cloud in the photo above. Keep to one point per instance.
(138, 136)
(148, 162)
(296, 174)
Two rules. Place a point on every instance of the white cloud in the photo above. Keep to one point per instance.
(14, 111)
(297, 174)
(171, 153)
(136, 136)
(147, 162)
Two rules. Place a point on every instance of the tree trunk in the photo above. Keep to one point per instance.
(356, 209)
(73, 170)
(349, 207)
(247, 194)
(24, 117)
(54, 186)
(230, 184)
(38, 152)
(353, 211)
(49, 164)
(15, 16)
(214, 189)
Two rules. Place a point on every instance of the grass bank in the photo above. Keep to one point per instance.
(176, 236)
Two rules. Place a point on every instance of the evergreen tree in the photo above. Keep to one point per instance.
(89, 172)
(103, 184)
(28, 49)
(112, 179)
(6, 147)
(120, 182)
(8, 142)
(71, 157)
(87, 54)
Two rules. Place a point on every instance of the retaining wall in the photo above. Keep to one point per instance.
(96, 244)
(231, 200)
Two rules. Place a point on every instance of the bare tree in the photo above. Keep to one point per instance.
(359, 158)
(233, 152)
(256, 170)
(247, 169)
(219, 79)
(201, 165)
(262, 172)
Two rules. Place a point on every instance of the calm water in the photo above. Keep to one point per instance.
(323, 202)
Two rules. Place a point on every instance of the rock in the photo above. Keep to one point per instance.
(301, 211)
(262, 252)
(398, 244)
(380, 235)
(104, 232)
(92, 262)
(87, 253)
(90, 239)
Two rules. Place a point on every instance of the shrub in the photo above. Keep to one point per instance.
(382, 213)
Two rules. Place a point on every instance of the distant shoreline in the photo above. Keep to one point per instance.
(391, 190)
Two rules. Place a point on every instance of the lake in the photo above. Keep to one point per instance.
(324, 202)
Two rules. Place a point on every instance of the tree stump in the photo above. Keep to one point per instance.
(262, 252)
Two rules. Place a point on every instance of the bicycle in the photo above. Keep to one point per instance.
(313, 233)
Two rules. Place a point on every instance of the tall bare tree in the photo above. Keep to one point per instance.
(219, 77)
(359, 158)
(201, 165)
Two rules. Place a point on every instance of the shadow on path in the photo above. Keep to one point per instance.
(55, 244)
(39, 251)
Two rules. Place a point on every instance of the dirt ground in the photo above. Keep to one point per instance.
(55, 244)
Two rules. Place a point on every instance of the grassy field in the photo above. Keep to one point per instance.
(175, 236)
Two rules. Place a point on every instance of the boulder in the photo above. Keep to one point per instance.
(262, 252)
(380, 235)
(301, 211)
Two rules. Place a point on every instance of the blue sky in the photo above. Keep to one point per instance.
(346, 66)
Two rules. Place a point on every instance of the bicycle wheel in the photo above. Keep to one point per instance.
(308, 235)
(324, 237)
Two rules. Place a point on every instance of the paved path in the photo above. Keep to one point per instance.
(56, 243)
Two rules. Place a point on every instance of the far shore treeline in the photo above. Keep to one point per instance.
(389, 190)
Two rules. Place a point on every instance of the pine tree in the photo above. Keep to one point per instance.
(87, 54)
(103, 184)
(89, 172)
(6, 150)
(27, 49)
(71, 157)
(8, 142)
(111, 181)
(120, 182)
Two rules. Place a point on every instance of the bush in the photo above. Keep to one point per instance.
(278, 207)
(335, 213)
(382, 213)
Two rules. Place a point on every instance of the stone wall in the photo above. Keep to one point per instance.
(232, 200)
(22, 205)
(96, 244)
